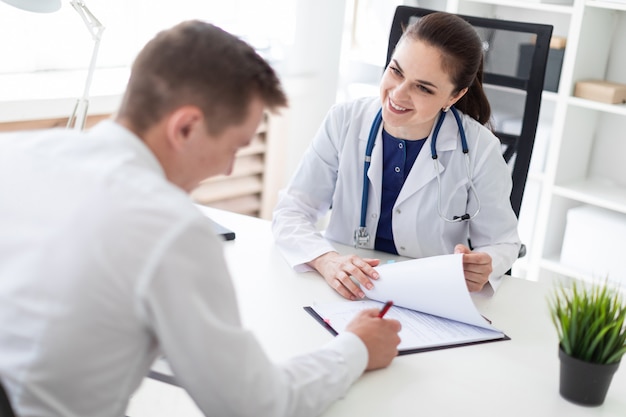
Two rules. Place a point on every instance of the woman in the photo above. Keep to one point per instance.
(416, 207)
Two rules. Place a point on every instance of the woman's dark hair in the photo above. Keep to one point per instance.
(462, 57)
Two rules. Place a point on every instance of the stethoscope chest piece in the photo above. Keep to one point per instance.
(361, 237)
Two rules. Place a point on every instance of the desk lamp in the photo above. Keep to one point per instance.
(37, 6)
(79, 114)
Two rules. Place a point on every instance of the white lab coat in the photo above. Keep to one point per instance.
(331, 175)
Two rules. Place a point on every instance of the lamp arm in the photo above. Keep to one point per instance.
(93, 24)
(79, 115)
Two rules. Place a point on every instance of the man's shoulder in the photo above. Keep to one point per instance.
(155, 197)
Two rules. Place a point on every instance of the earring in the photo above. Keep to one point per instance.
(445, 109)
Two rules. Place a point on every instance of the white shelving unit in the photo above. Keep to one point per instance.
(584, 159)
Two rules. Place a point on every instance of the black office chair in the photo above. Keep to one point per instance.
(5, 405)
(516, 55)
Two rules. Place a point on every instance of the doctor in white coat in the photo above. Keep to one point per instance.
(418, 204)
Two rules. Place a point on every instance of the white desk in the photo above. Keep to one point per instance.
(519, 377)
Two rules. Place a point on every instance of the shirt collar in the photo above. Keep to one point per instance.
(115, 132)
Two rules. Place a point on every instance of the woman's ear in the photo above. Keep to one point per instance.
(457, 96)
(181, 125)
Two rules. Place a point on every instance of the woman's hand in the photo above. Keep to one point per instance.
(339, 271)
(476, 267)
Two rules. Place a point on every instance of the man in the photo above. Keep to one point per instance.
(105, 263)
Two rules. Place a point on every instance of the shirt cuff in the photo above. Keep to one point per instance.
(354, 352)
(492, 285)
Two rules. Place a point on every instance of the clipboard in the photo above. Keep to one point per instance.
(417, 347)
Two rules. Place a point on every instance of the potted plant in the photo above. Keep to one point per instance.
(591, 324)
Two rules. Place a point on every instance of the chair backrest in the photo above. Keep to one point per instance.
(516, 55)
(5, 405)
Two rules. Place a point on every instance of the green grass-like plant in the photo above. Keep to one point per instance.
(590, 322)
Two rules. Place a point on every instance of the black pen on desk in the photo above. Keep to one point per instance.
(385, 308)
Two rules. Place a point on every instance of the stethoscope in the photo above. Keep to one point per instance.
(361, 235)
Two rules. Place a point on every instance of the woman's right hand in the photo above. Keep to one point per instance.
(339, 271)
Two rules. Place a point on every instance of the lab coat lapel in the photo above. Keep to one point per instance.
(375, 173)
(424, 169)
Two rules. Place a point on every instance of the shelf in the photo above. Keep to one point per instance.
(597, 192)
(619, 109)
(578, 153)
(613, 5)
(529, 5)
(552, 263)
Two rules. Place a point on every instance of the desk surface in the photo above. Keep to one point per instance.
(519, 377)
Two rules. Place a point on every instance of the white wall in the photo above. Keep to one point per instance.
(35, 42)
(311, 73)
(301, 38)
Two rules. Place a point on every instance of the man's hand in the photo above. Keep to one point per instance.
(379, 335)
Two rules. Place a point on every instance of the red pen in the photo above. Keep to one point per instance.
(385, 308)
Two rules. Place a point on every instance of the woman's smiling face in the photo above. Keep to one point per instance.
(414, 89)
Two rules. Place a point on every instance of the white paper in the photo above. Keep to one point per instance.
(433, 285)
(430, 298)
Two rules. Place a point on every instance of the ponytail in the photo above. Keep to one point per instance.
(475, 103)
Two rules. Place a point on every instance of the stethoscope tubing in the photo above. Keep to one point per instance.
(361, 235)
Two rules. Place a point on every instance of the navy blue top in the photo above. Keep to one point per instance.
(398, 158)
